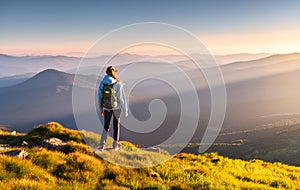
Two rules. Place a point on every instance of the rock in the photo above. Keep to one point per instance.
(17, 153)
(152, 149)
(154, 174)
(4, 146)
(24, 143)
(53, 143)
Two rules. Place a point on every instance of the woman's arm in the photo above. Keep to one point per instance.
(122, 99)
(100, 95)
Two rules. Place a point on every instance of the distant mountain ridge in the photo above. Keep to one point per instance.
(266, 60)
(18, 65)
(13, 80)
(11, 65)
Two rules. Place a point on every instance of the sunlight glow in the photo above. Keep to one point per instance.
(280, 41)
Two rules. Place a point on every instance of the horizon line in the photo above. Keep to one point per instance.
(138, 54)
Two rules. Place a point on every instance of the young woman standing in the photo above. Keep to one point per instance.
(111, 88)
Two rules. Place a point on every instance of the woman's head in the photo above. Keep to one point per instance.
(112, 71)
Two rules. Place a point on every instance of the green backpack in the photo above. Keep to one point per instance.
(109, 98)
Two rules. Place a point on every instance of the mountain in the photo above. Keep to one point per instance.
(225, 59)
(272, 65)
(20, 65)
(76, 164)
(270, 78)
(42, 98)
(13, 65)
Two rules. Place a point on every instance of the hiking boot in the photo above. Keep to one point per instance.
(117, 148)
(101, 149)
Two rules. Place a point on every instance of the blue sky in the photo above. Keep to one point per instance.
(231, 26)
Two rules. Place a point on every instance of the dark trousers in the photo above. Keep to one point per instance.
(116, 125)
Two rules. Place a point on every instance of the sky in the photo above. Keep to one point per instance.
(35, 27)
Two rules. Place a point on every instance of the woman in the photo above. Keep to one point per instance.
(112, 100)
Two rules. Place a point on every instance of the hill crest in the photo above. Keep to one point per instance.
(50, 76)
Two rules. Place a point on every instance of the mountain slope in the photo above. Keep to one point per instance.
(13, 80)
(44, 97)
(272, 65)
(82, 169)
(272, 142)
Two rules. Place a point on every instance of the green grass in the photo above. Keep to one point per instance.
(90, 138)
(134, 157)
(52, 129)
(77, 167)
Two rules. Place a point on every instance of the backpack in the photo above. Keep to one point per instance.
(109, 97)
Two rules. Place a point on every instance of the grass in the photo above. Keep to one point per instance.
(77, 167)
(49, 130)
(135, 158)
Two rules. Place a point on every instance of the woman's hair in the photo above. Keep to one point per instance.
(111, 71)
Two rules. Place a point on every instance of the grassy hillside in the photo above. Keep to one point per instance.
(278, 142)
(77, 167)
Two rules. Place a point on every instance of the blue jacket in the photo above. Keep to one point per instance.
(121, 99)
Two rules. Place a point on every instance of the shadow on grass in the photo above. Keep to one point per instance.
(11, 140)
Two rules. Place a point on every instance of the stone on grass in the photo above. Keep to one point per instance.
(53, 143)
(17, 153)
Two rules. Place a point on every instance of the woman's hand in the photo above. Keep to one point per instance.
(101, 114)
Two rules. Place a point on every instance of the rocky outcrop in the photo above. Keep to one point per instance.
(17, 153)
(53, 143)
